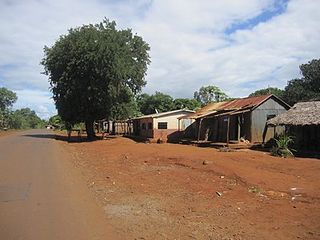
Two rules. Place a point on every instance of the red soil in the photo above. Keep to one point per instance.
(168, 191)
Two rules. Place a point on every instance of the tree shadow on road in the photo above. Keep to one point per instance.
(63, 138)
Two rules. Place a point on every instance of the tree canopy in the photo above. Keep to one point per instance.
(149, 104)
(191, 104)
(7, 98)
(307, 87)
(207, 94)
(270, 90)
(25, 118)
(93, 69)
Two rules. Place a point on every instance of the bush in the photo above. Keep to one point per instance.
(282, 147)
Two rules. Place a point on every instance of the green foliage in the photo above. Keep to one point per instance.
(25, 118)
(191, 104)
(270, 90)
(7, 98)
(57, 122)
(282, 148)
(92, 69)
(148, 104)
(306, 88)
(297, 91)
(208, 94)
(127, 109)
(311, 74)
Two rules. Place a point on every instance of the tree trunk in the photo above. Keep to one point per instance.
(91, 135)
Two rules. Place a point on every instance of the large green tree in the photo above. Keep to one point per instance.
(270, 90)
(207, 94)
(149, 104)
(7, 98)
(191, 104)
(125, 110)
(306, 88)
(94, 68)
(311, 75)
(25, 118)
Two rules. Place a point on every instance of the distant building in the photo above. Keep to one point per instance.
(303, 123)
(166, 126)
(236, 120)
(49, 126)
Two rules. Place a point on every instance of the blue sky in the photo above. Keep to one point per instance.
(238, 45)
(266, 15)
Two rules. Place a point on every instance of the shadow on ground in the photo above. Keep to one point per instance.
(73, 139)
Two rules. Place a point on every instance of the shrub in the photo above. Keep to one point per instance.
(282, 147)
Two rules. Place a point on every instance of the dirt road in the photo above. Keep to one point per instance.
(172, 191)
(42, 196)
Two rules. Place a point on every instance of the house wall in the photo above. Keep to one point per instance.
(172, 120)
(244, 120)
(306, 137)
(174, 127)
(207, 130)
(147, 132)
(170, 134)
(259, 118)
(212, 129)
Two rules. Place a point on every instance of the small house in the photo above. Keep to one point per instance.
(162, 127)
(238, 120)
(303, 123)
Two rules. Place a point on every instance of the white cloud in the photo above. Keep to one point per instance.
(189, 45)
(39, 101)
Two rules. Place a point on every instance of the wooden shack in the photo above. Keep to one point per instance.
(240, 119)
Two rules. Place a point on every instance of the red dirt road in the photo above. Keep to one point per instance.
(120, 189)
(42, 196)
(167, 191)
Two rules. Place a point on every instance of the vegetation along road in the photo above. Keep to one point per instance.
(41, 195)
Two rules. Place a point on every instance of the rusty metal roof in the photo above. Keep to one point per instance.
(208, 109)
(248, 102)
(235, 106)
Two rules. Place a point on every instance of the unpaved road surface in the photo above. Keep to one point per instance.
(42, 195)
(121, 189)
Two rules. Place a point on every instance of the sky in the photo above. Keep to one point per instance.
(237, 45)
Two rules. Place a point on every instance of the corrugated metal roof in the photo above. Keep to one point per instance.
(156, 115)
(224, 108)
(245, 102)
(208, 109)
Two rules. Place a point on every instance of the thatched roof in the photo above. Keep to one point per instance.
(303, 113)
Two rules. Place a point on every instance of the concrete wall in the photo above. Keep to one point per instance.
(259, 118)
(147, 132)
(170, 134)
(172, 120)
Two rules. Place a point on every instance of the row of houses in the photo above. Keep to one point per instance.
(252, 120)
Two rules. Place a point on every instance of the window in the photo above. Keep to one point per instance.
(143, 126)
(162, 125)
(269, 116)
(149, 125)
